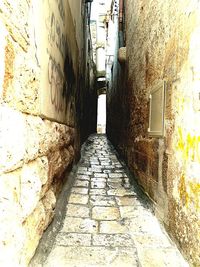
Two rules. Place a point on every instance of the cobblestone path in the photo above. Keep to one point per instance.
(108, 221)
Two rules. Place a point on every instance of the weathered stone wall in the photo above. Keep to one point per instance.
(35, 154)
(86, 107)
(41, 60)
(117, 94)
(163, 40)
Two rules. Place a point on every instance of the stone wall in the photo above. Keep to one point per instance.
(86, 107)
(162, 41)
(36, 154)
(41, 62)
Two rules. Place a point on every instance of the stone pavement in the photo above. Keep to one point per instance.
(108, 221)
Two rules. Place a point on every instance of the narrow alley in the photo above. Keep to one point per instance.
(108, 221)
(99, 133)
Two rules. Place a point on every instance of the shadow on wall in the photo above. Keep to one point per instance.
(70, 82)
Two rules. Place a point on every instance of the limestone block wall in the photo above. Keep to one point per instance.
(35, 154)
(162, 41)
(40, 63)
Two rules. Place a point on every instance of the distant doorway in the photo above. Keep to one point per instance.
(101, 114)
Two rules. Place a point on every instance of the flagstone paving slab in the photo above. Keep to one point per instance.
(75, 210)
(78, 199)
(112, 227)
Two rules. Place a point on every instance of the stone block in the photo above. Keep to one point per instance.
(105, 213)
(115, 240)
(98, 185)
(21, 84)
(11, 232)
(83, 177)
(97, 192)
(115, 175)
(10, 186)
(35, 131)
(81, 183)
(98, 180)
(49, 203)
(134, 212)
(12, 136)
(113, 185)
(59, 161)
(12, 236)
(100, 175)
(80, 225)
(32, 178)
(73, 239)
(96, 200)
(33, 227)
(55, 136)
(75, 210)
(121, 192)
(15, 17)
(33, 137)
(77, 190)
(127, 201)
(78, 198)
(112, 227)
